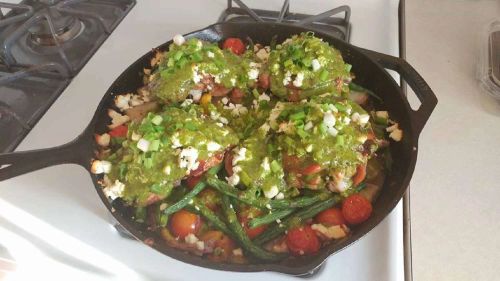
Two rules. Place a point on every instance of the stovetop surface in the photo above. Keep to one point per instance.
(79, 241)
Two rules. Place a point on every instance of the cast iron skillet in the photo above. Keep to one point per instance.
(368, 67)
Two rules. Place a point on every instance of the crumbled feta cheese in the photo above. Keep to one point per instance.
(199, 44)
(191, 238)
(135, 136)
(280, 196)
(233, 81)
(331, 232)
(268, 206)
(117, 119)
(253, 73)
(271, 192)
(115, 190)
(186, 102)
(179, 39)
(200, 245)
(213, 146)
(364, 118)
(163, 206)
(103, 140)
(287, 79)
(362, 138)
(225, 100)
(265, 164)
(233, 179)
(100, 167)
(332, 131)
(238, 252)
(121, 101)
(188, 159)
(175, 141)
(167, 170)
(298, 79)
(315, 64)
(341, 185)
(262, 54)
(239, 155)
(210, 54)
(265, 128)
(328, 119)
(237, 109)
(346, 120)
(309, 148)
(223, 120)
(264, 97)
(219, 124)
(355, 117)
(143, 145)
(237, 169)
(196, 77)
(308, 126)
(196, 95)
(396, 134)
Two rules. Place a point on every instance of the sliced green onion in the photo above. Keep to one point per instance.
(348, 67)
(178, 55)
(157, 120)
(154, 145)
(323, 75)
(156, 188)
(297, 116)
(191, 126)
(275, 167)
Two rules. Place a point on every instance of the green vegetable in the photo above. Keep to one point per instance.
(186, 200)
(242, 237)
(298, 218)
(210, 216)
(269, 218)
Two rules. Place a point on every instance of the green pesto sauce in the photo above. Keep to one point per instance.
(182, 67)
(180, 127)
(297, 55)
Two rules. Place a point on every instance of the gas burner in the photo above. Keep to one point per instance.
(65, 28)
(43, 43)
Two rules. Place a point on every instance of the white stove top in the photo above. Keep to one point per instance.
(53, 223)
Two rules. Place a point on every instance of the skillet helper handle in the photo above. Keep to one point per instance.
(18, 163)
(424, 93)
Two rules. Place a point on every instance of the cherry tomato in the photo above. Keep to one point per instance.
(228, 164)
(330, 217)
(207, 164)
(210, 198)
(302, 241)
(235, 45)
(120, 131)
(247, 215)
(192, 181)
(264, 80)
(217, 239)
(184, 223)
(360, 174)
(311, 169)
(356, 209)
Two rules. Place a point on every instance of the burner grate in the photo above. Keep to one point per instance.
(328, 22)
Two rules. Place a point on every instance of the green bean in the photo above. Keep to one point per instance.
(262, 203)
(269, 218)
(298, 218)
(242, 237)
(186, 199)
(210, 216)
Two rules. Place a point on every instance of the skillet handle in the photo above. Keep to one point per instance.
(17, 163)
(424, 93)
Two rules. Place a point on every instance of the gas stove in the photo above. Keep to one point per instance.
(44, 44)
(78, 240)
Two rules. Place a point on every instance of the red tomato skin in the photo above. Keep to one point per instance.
(118, 132)
(192, 181)
(235, 45)
(184, 223)
(360, 174)
(356, 209)
(245, 216)
(302, 241)
(228, 164)
(311, 169)
(330, 217)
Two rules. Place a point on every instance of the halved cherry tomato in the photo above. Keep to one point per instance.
(120, 131)
(311, 169)
(184, 223)
(330, 217)
(228, 164)
(245, 216)
(235, 45)
(223, 245)
(210, 198)
(192, 181)
(360, 174)
(356, 209)
(302, 241)
(264, 80)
